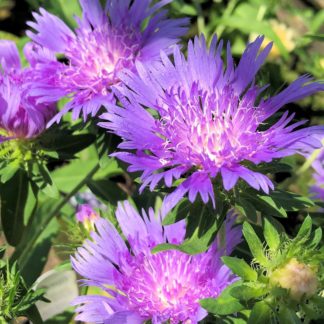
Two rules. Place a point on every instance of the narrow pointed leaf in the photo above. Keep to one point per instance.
(240, 267)
(255, 244)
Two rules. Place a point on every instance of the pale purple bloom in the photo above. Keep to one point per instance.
(107, 41)
(20, 114)
(85, 213)
(144, 286)
(205, 120)
(317, 190)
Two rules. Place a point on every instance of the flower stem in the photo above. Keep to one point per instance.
(27, 246)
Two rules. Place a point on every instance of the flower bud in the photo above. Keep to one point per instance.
(87, 216)
(22, 116)
(299, 278)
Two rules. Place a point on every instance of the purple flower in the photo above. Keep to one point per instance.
(205, 119)
(107, 41)
(137, 285)
(20, 114)
(86, 213)
(317, 190)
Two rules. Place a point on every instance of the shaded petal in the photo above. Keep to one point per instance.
(93, 12)
(51, 31)
(125, 317)
(9, 55)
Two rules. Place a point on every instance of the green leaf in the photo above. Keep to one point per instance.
(271, 235)
(290, 201)
(246, 208)
(224, 304)
(64, 317)
(305, 230)
(316, 239)
(181, 211)
(314, 309)
(203, 224)
(287, 315)
(72, 173)
(38, 256)
(33, 314)
(261, 313)
(28, 245)
(13, 197)
(41, 180)
(315, 37)
(264, 203)
(9, 171)
(107, 190)
(255, 244)
(247, 25)
(64, 142)
(247, 292)
(240, 267)
(277, 202)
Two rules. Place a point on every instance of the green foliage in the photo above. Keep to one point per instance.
(277, 203)
(203, 224)
(15, 298)
(13, 198)
(260, 292)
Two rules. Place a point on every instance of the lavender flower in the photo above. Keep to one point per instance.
(86, 213)
(317, 190)
(138, 285)
(20, 114)
(107, 41)
(205, 120)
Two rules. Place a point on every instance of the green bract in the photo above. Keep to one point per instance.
(284, 281)
(15, 298)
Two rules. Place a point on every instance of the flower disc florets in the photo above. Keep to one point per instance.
(204, 120)
(142, 286)
(107, 41)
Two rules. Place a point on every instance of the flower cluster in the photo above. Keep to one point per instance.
(205, 120)
(108, 40)
(198, 124)
(138, 285)
(21, 115)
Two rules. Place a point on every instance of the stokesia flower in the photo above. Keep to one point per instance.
(107, 41)
(204, 120)
(21, 116)
(137, 285)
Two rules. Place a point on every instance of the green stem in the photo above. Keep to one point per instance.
(23, 257)
(308, 163)
(228, 11)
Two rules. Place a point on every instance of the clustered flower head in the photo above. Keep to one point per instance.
(107, 41)
(137, 285)
(21, 115)
(205, 119)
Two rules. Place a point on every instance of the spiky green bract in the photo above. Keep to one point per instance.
(285, 281)
(15, 298)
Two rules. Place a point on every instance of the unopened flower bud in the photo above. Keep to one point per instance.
(299, 278)
(87, 216)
